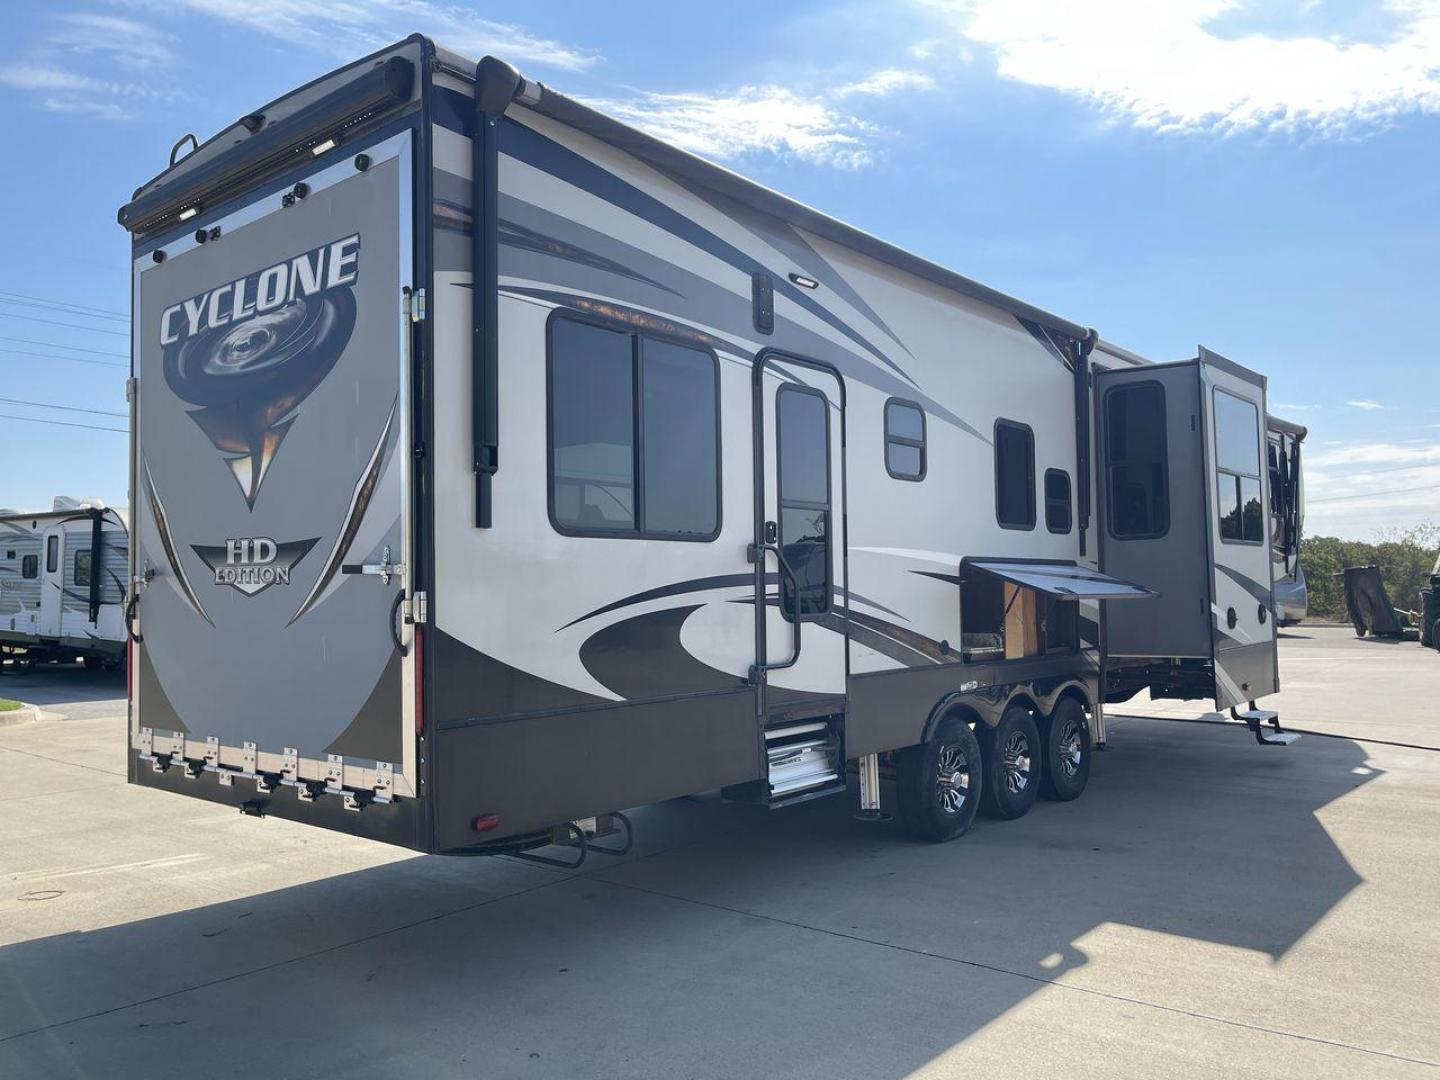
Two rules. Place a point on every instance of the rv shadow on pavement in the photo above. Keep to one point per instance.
(53, 684)
(738, 942)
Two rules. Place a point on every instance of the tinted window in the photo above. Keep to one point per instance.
(82, 567)
(622, 402)
(802, 422)
(1014, 475)
(1237, 434)
(30, 566)
(1137, 469)
(1057, 500)
(592, 427)
(904, 440)
(52, 554)
(1237, 470)
(681, 475)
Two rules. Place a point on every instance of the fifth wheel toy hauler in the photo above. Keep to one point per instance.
(499, 466)
(62, 584)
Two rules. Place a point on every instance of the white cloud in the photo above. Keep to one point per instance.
(126, 41)
(887, 81)
(1352, 489)
(1287, 407)
(1368, 406)
(347, 27)
(1190, 65)
(765, 119)
(61, 90)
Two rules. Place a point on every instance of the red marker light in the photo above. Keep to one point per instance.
(486, 822)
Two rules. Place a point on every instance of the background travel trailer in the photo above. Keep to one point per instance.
(58, 600)
(499, 466)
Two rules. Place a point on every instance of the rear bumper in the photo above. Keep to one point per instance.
(401, 822)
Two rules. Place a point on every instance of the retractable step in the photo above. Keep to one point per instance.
(803, 761)
(1257, 719)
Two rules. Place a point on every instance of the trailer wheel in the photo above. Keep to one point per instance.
(1065, 735)
(92, 663)
(938, 782)
(1359, 628)
(1011, 751)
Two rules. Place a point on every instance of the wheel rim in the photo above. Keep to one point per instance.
(1016, 761)
(952, 781)
(1071, 749)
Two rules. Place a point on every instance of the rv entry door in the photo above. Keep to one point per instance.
(272, 541)
(1237, 484)
(52, 582)
(800, 516)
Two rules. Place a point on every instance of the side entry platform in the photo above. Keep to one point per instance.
(1183, 512)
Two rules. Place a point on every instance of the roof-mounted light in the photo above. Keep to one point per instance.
(189, 212)
(325, 146)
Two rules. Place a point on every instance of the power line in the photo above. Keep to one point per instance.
(20, 300)
(76, 359)
(1374, 494)
(1378, 472)
(63, 423)
(65, 408)
(57, 345)
(71, 325)
(63, 303)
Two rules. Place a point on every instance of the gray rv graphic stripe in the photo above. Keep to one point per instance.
(529, 146)
(359, 503)
(643, 657)
(1259, 592)
(162, 523)
(705, 584)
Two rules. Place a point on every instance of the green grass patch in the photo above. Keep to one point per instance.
(6, 705)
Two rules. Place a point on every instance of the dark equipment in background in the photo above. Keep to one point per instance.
(1369, 606)
(1430, 614)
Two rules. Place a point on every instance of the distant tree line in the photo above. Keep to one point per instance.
(1406, 557)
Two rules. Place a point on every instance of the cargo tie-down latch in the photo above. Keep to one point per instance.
(384, 569)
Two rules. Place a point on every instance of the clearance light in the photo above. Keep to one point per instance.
(324, 147)
(189, 212)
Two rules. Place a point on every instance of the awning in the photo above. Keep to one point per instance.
(1062, 580)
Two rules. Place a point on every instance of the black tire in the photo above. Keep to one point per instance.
(93, 663)
(1012, 754)
(1359, 628)
(938, 783)
(1065, 735)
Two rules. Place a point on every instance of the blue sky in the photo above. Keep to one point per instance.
(1260, 178)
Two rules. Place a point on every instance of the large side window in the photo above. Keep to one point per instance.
(905, 457)
(802, 423)
(30, 566)
(634, 435)
(1136, 461)
(82, 567)
(1014, 475)
(1237, 469)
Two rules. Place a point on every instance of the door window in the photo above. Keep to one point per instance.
(52, 553)
(802, 438)
(1237, 469)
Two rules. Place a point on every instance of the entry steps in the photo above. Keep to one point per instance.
(1257, 720)
(804, 760)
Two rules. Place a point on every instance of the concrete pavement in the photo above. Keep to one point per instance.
(1208, 908)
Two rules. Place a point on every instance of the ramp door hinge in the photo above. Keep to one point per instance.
(415, 305)
(419, 608)
(132, 387)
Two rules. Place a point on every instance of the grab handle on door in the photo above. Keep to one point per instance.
(757, 554)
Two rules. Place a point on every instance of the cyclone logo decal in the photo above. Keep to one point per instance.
(256, 350)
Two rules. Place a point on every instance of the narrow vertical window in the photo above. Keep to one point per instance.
(1014, 475)
(802, 422)
(82, 567)
(1057, 500)
(905, 457)
(52, 554)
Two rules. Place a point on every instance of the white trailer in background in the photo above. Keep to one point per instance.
(62, 584)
